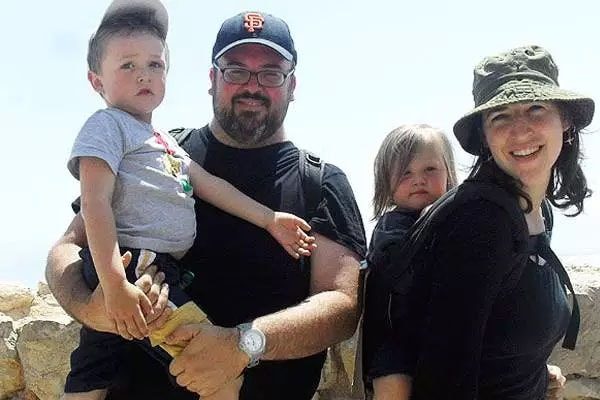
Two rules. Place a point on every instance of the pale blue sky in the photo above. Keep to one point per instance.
(364, 68)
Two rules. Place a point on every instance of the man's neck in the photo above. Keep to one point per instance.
(227, 140)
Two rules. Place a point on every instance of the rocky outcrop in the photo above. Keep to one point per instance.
(44, 347)
(582, 366)
(15, 301)
(11, 373)
(37, 337)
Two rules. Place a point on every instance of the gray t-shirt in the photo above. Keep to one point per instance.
(152, 201)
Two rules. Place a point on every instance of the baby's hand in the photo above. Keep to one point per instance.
(126, 305)
(289, 231)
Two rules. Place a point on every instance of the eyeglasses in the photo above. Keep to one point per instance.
(241, 76)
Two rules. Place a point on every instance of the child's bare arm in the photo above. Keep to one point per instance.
(287, 229)
(125, 303)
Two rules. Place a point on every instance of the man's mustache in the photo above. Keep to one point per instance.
(252, 96)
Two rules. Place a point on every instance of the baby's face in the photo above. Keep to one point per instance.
(424, 181)
(133, 74)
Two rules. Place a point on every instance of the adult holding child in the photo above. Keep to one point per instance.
(266, 306)
(487, 301)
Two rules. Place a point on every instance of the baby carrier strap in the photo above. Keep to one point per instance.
(570, 339)
(401, 270)
(422, 232)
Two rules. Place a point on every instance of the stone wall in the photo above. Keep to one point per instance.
(37, 337)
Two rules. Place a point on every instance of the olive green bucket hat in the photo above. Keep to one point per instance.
(523, 74)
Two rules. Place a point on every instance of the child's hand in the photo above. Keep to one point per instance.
(289, 231)
(126, 305)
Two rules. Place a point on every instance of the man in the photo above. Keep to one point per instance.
(273, 316)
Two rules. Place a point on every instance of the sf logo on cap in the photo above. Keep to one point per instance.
(253, 21)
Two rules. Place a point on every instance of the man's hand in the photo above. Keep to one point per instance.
(210, 361)
(157, 292)
(556, 383)
(150, 283)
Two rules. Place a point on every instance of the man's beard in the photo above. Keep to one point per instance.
(249, 127)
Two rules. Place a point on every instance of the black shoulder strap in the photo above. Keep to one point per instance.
(181, 134)
(311, 174)
(548, 218)
(427, 224)
(570, 338)
(311, 171)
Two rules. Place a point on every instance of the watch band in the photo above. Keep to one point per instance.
(252, 342)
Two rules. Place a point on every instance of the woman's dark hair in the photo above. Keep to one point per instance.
(567, 186)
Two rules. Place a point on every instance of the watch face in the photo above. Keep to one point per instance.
(252, 341)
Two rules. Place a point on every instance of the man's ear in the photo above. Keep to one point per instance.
(292, 87)
(95, 81)
(212, 77)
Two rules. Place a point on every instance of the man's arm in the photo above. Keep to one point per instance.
(329, 315)
(65, 279)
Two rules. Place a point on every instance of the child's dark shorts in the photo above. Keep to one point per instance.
(96, 361)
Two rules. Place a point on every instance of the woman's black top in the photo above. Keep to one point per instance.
(481, 326)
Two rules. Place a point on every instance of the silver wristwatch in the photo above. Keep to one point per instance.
(252, 342)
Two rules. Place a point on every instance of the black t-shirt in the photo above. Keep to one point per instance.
(482, 327)
(242, 273)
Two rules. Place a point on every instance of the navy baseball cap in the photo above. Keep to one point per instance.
(255, 27)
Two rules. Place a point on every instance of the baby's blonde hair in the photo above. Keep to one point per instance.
(396, 152)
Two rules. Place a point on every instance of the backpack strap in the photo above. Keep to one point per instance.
(311, 175)
(547, 254)
(181, 134)
(311, 179)
(424, 229)
(548, 218)
(311, 171)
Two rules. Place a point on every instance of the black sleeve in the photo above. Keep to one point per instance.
(471, 257)
(337, 216)
(381, 353)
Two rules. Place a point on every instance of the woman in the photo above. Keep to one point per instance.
(483, 323)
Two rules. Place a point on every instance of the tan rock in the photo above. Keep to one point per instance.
(585, 359)
(338, 372)
(25, 395)
(15, 300)
(11, 373)
(43, 289)
(335, 384)
(45, 306)
(582, 389)
(44, 347)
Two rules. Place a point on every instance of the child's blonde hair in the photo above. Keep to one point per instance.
(396, 152)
